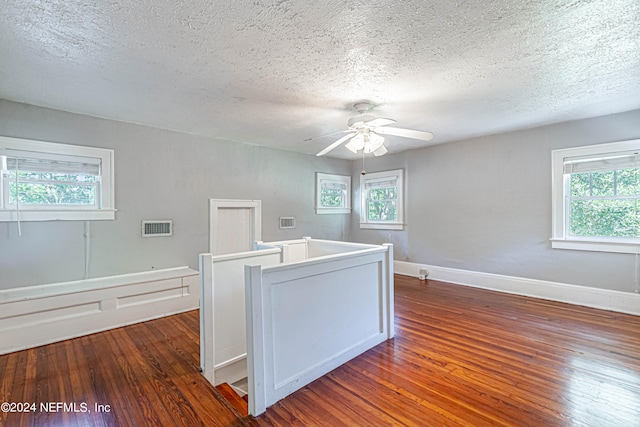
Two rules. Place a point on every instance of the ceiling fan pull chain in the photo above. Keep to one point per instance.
(364, 172)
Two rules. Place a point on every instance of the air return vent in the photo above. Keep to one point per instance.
(157, 228)
(287, 222)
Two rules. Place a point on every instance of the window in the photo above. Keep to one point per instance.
(596, 197)
(382, 200)
(42, 181)
(333, 194)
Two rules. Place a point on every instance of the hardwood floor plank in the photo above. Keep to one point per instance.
(342, 415)
(10, 390)
(461, 357)
(437, 408)
(353, 405)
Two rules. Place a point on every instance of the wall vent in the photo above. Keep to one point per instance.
(287, 222)
(157, 228)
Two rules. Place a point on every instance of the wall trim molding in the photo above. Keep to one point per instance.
(622, 302)
(44, 314)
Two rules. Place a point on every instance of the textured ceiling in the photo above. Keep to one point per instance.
(278, 72)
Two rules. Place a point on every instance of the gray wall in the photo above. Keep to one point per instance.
(160, 174)
(481, 205)
(485, 205)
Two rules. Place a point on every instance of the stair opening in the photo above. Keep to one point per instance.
(236, 395)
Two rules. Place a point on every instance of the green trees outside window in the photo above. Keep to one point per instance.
(605, 203)
(382, 204)
(332, 198)
(48, 188)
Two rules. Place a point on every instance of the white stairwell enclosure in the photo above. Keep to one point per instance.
(289, 312)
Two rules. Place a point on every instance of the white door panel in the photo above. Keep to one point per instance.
(233, 225)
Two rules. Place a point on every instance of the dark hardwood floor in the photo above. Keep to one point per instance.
(461, 356)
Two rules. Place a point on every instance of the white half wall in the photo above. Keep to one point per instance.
(223, 344)
(38, 315)
(604, 299)
(307, 318)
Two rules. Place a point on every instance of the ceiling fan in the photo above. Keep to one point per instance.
(365, 133)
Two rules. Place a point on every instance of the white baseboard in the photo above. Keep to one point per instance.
(622, 302)
(38, 315)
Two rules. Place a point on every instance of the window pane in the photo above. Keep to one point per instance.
(383, 193)
(628, 181)
(607, 217)
(52, 194)
(602, 183)
(580, 185)
(331, 198)
(382, 200)
(382, 210)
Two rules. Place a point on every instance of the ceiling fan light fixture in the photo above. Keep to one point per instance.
(351, 148)
(382, 150)
(357, 143)
(376, 140)
(372, 142)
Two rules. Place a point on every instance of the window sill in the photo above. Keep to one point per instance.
(381, 226)
(596, 246)
(325, 211)
(55, 215)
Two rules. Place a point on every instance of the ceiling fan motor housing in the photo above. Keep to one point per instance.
(362, 107)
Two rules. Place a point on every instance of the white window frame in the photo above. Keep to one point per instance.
(560, 185)
(105, 209)
(345, 180)
(365, 223)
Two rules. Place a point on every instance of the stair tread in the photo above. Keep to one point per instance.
(239, 403)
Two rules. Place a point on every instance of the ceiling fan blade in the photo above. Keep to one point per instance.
(335, 144)
(405, 133)
(325, 135)
(379, 122)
